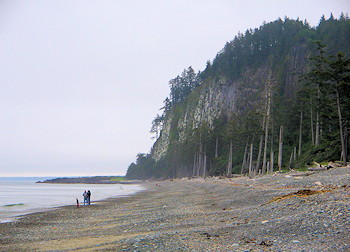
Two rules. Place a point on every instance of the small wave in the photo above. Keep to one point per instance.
(12, 205)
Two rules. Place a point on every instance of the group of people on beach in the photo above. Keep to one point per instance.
(87, 195)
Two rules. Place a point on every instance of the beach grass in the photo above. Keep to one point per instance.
(118, 179)
(12, 205)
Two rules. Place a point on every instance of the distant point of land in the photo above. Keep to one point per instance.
(92, 180)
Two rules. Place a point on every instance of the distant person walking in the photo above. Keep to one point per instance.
(88, 196)
(85, 195)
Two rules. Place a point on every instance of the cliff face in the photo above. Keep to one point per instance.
(205, 105)
(224, 98)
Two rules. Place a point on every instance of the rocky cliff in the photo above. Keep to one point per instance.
(223, 98)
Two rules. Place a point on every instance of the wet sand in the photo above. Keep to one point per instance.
(212, 214)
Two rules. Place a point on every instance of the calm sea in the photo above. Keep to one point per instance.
(20, 196)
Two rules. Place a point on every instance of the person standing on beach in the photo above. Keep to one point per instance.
(85, 194)
(88, 196)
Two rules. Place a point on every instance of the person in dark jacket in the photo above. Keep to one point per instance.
(88, 196)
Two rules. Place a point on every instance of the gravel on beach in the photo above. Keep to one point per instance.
(295, 211)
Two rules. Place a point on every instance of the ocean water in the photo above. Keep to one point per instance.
(21, 195)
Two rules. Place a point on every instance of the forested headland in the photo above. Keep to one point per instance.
(275, 97)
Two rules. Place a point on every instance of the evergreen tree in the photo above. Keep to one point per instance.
(337, 83)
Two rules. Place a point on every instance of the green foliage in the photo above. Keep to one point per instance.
(118, 178)
(329, 85)
(143, 168)
(157, 124)
(269, 42)
(183, 85)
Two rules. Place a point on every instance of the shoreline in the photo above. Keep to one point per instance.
(212, 214)
(14, 212)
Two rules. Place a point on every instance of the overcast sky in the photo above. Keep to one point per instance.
(81, 81)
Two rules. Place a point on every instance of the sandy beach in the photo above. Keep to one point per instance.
(295, 211)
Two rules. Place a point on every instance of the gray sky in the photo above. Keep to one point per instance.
(81, 81)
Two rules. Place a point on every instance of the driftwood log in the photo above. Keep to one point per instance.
(317, 168)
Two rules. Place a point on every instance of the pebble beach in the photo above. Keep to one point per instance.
(294, 211)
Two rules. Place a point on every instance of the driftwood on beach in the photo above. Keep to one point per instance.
(318, 167)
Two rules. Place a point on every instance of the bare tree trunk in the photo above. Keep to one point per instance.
(198, 165)
(265, 152)
(267, 166)
(251, 173)
(295, 153)
(195, 164)
(317, 137)
(291, 160)
(216, 146)
(271, 156)
(204, 157)
(200, 155)
(229, 165)
(300, 131)
(246, 167)
(244, 162)
(280, 145)
(346, 141)
(205, 166)
(312, 124)
(272, 161)
(258, 160)
(317, 133)
(268, 106)
(257, 166)
(342, 140)
(270, 168)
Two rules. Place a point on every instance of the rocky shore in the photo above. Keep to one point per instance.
(296, 211)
